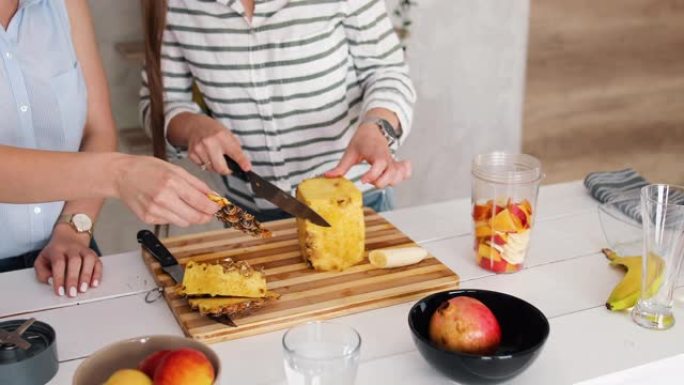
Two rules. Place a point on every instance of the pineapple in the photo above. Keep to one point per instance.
(237, 218)
(231, 306)
(342, 244)
(227, 278)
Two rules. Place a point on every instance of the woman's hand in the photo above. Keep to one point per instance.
(160, 193)
(67, 263)
(370, 145)
(207, 141)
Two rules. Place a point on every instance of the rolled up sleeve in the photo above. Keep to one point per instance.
(378, 58)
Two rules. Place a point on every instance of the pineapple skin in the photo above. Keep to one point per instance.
(341, 245)
(204, 279)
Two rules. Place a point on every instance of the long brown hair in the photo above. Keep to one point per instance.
(154, 22)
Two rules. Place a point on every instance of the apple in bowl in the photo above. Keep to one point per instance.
(466, 325)
(523, 332)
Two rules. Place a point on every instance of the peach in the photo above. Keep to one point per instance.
(491, 265)
(505, 222)
(184, 367)
(486, 251)
(482, 212)
(150, 363)
(483, 231)
(527, 206)
(466, 325)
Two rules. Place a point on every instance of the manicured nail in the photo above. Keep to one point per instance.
(96, 283)
(84, 287)
(60, 291)
(72, 291)
(50, 281)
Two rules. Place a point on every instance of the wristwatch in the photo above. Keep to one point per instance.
(388, 131)
(79, 222)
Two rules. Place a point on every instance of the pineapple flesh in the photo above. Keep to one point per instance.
(341, 245)
(229, 279)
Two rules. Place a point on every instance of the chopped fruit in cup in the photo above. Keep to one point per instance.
(505, 222)
(502, 233)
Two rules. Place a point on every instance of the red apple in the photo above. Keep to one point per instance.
(184, 367)
(150, 363)
(520, 214)
(466, 325)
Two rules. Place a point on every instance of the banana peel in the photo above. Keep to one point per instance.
(628, 290)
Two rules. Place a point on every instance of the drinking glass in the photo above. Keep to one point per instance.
(321, 353)
(662, 211)
(504, 200)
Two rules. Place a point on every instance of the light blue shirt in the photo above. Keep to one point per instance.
(42, 106)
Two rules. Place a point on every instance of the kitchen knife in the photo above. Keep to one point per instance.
(170, 265)
(168, 262)
(272, 193)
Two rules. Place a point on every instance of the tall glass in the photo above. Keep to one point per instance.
(662, 211)
(504, 198)
(321, 353)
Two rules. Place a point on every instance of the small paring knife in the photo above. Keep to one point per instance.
(272, 193)
(171, 266)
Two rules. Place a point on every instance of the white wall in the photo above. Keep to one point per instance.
(467, 59)
(116, 21)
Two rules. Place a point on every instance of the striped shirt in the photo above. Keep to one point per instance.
(291, 85)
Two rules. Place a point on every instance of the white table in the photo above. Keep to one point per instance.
(566, 276)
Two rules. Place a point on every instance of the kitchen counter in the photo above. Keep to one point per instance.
(565, 276)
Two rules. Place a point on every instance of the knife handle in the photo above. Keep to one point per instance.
(235, 169)
(152, 244)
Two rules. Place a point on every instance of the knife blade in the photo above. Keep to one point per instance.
(171, 266)
(272, 193)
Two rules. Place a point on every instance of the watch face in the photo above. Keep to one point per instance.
(387, 127)
(82, 222)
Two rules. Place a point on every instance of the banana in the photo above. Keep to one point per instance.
(627, 292)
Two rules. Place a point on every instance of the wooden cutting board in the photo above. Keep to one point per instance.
(305, 294)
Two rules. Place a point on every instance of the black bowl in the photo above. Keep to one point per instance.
(524, 329)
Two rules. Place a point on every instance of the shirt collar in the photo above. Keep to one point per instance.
(26, 3)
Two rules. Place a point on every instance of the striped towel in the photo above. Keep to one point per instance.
(620, 187)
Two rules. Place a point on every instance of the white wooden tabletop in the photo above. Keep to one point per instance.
(565, 275)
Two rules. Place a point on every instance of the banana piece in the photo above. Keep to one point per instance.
(389, 258)
(627, 292)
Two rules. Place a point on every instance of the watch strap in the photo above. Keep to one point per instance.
(68, 219)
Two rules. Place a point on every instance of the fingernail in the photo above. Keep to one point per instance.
(50, 281)
(96, 283)
(84, 287)
(60, 291)
(72, 291)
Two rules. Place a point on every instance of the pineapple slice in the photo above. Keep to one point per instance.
(342, 244)
(227, 278)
